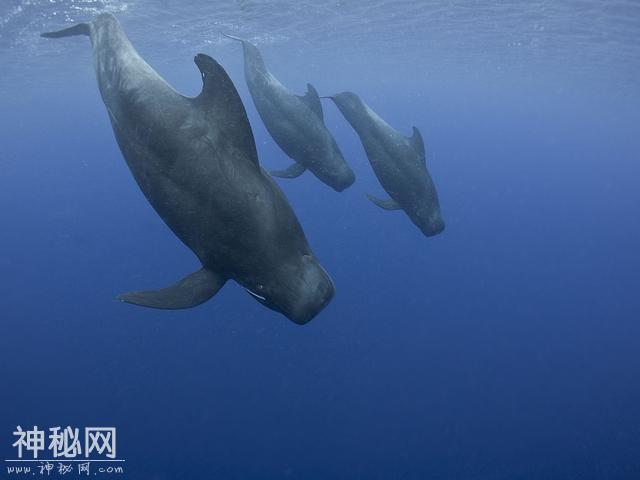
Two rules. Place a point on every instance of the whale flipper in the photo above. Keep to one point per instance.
(312, 101)
(386, 203)
(193, 290)
(294, 171)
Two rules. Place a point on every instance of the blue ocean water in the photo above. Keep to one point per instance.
(506, 347)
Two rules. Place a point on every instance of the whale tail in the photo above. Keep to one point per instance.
(232, 37)
(78, 29)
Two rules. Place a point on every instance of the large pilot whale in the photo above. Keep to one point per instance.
(195, 161)
(296, 123)
(398, 162)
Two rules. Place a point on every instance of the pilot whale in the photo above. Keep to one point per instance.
(296, 124)
(398, 162)
(195, 161)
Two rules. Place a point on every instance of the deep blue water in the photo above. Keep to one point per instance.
(506, 347)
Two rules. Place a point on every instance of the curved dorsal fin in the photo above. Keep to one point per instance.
(417, 144)
(312, 101)
(220, 101)
(416, 141)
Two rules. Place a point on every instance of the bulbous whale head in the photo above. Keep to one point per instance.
(299, 289)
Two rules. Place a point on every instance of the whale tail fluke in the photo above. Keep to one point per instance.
(232, 37)
(78, 29)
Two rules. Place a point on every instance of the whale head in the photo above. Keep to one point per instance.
(335, 171)
(298, 288)
(428, 219)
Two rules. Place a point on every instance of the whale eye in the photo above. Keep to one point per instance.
(260, 286)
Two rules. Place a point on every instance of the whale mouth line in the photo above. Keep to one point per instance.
(255, 294)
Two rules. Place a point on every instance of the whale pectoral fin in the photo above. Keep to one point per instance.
(294, 171)
(386, 203)
(191, 291)
(312, 101)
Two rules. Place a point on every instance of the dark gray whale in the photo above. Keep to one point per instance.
(398, 162)
(195, 160)
(295, 123)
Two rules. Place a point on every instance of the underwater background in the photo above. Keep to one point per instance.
(507, 347)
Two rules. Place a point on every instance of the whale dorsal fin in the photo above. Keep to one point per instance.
(417, 144)
(312, 101)
(221, 103)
